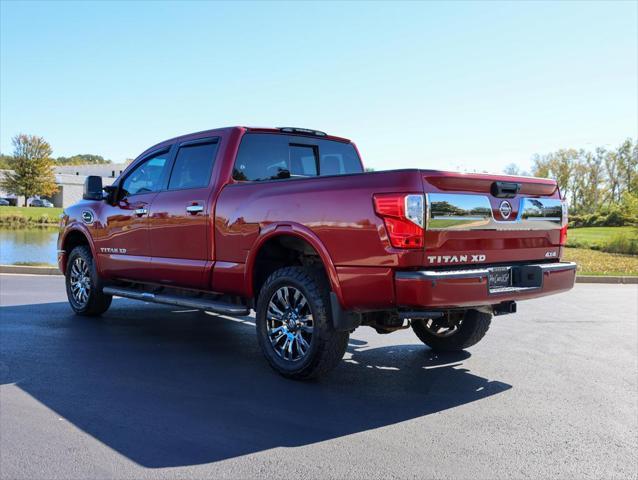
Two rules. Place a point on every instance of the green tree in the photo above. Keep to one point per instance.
(628, 161)
(32, 168)
(612, 167)
(82, 159)
(559, 166)
(6, 162)
(592, 180)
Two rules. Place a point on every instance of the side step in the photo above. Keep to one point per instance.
(180, 301)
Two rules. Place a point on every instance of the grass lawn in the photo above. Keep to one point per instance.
(597, 235)
(11, 215)
(593, 262)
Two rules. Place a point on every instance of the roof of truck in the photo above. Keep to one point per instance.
(306, 132)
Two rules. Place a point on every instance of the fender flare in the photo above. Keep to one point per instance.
(78, 227)
(291, 229)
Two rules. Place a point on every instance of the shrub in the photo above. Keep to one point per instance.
(621, 243)
(611, 216)
(14, 220)
(614, 219)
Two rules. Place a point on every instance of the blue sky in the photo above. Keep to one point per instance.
(455, 85)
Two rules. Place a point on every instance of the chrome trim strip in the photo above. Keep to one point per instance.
(551, 267)
(442, 274)
(464, 212)
(501, 290)
(429, 275)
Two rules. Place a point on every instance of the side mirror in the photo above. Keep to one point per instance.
(93, 189)
(111, 192)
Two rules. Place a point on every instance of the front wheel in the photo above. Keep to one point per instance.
(453, 332)
(83, 287)
(294, 324)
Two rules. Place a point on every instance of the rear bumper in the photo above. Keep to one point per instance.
(467, 288)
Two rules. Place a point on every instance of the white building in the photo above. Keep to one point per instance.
(70, 179)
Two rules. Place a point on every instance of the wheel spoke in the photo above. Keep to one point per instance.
(301, 343)
(276, 311)
(302, 303)
(289, 323)
(80, 281)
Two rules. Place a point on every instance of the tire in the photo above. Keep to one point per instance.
(87, 298)
(472, 328)
(326, 345)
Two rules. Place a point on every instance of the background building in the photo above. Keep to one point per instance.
(70, 180)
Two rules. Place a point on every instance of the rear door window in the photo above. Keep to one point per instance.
(193, 166)
(264, 156)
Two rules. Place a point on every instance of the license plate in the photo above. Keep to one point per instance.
(499, 277)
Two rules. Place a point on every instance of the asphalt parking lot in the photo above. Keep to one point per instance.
(158, 392)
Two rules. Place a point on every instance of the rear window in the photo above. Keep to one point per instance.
(264, 156)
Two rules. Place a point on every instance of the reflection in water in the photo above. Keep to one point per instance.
(28, 245)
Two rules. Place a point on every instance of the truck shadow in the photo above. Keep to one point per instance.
(167, 388)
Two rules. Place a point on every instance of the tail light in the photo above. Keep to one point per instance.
(564, 220)
(403, 215)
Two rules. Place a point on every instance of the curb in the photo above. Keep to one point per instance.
(601, 279)
(29, 270)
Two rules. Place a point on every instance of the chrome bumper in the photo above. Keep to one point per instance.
(471, 287)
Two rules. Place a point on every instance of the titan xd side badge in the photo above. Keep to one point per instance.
(87, 217)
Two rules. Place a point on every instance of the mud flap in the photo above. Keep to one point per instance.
(342, 320)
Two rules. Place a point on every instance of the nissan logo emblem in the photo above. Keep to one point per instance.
(505, 209)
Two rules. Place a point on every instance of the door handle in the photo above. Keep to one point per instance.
(140, 211)
(194, 209)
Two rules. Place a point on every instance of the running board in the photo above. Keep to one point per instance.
(180, 301)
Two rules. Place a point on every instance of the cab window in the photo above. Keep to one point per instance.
(264, 156)
(146, 177)
(193, 166)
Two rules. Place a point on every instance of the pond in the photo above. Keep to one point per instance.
(28, 245)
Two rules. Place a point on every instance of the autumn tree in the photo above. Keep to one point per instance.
(592, 180)
(32, 168)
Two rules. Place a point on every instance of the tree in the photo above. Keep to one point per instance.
(512, 169)
(32, 168)
(613, 180)
(6, 162)
(628, 160)
(82, 159)
(558, 165)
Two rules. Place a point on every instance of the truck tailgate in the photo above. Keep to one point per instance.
(476, 218)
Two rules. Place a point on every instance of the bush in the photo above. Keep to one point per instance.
(21, 221)
(14, 220)
(615, 219)
(613, 216)
(621, 243)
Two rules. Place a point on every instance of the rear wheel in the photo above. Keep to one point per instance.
(294, 324)
(453, 332)
(83, 287)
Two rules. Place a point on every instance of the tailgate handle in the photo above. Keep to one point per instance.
(505, 189)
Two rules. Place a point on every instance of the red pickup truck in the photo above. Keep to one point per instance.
(286, 222)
